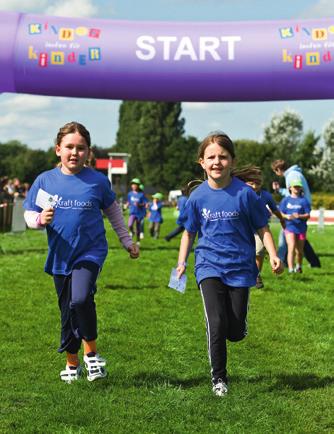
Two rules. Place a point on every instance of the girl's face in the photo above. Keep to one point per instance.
(295, 191)
(217, 163)
(73, 152)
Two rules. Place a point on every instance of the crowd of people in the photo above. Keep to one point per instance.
(12, 188)
(228, 213)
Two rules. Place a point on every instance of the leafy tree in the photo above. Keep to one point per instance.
(128, 134)
(328, 135)
(161, 131)
(323, 172)
(284, 133)
(152, 132)
(17, 160)
(308, 155)
(181, 165)
(10, 161)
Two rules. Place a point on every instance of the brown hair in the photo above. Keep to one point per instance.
(247, 173)
(221, 139)
(279, 164)
(70, 128)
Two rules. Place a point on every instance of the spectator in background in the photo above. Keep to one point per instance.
(181, 201)
(281, 169)
(19, 189)
(5, 196)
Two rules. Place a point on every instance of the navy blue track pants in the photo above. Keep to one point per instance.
(77, 307)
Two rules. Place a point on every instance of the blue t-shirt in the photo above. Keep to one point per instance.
(225, 220)
(181, 201)
(136, 200)
(300, 205)
(77, 231)
(142, 209)
(155, 212)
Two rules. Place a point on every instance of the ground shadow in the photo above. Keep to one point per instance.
(115, 287)
(303, 381)
(150, 380)
(154, 379)
(297, 382)
(325, 255)
(23, 251)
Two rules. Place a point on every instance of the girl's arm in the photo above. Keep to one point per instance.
(38, 220)
(186, 243)
(280, 217)
(115, 217)
(268, 241)
(305, 216)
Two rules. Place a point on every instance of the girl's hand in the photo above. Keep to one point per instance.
(276, 265)
(181, 269)
(134, 251)
(47, 216)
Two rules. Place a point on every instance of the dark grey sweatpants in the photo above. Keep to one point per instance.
(225, 309)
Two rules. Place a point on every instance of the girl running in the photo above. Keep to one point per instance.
(136, 203)
(296, 211)
(224, 212)
(77, 243)
(155, 215)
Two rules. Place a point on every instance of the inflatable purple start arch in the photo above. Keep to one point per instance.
(227, 61)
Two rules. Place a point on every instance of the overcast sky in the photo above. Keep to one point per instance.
(34, 120)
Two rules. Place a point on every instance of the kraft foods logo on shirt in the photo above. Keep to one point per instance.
(219, 215)
(73, 203)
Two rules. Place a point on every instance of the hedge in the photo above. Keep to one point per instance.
(324, 200)
(319, 200)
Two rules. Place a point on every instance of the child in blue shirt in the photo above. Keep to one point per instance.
(224, 212)
(155, 215)
(75, 195)
(181, 202)
(136, 203)
(143, 210)
(271, 208)
(296, 211)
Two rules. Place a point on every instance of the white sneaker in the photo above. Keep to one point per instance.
(71, 373)
(95, 367)
(220, 388)
(141, 235)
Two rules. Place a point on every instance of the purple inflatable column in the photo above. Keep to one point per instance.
(9, 23)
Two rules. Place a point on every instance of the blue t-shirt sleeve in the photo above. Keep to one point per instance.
(271, 202)
(257, 211)
(307, 206)
(282, 206)
(108, 196)
(30, 202)
(190, 218)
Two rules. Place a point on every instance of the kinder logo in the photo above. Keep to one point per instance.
(219, 215)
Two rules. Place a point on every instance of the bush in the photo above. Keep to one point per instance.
(324, 200)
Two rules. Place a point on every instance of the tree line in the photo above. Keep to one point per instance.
(164, 157)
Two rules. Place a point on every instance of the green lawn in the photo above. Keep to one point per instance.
(281, 375)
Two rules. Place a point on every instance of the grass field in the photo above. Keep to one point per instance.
(281, 375)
